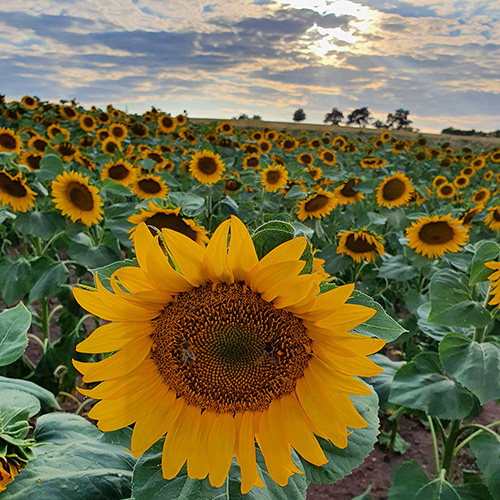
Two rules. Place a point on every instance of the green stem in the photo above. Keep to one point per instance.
(57, 308)
(36, 339)
(479, 335)
(434, 444)
(83, 403)
(45, 318)
(449, 446)
(46, 247)
(481, 428)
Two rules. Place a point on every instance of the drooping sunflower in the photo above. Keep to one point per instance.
(206, 167)
(9, 469)
(10, 142)
(274, 178)
(73, 195)
(226, 350)
(87, 122)
(493, 218)
(394, 191)
(86, 161)
(373, 163)
(346, 192)
(438, 180)
(69, 113)
(54, 130)
(481, 196)
(119, 171)
(29, 102)
(251, 161)
(110, 146)
(315, 173)
(118, 131)
(15, 192)
(446, 190)
(360, 245)
(167, 124)
(495, 282)
(469, 215)
(31, 159)
(181, 120)
(434, 236)
(289, 144)
(139, 130)
(169, 218)
(86, 142)
(149, 186)
(327, 156)
(317, 205)
(67, 151)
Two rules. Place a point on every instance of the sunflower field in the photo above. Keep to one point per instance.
(195, 310)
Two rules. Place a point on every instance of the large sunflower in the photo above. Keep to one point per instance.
(495, 282)
(317, 205)
(360, 245)
(67, 151)
(72, 195)
(394, 191)
(217, 350)
(149, 186)
(118, 131)
(168, 218)
(167, 123)
(10, 141)
(15, 192)
(119, 171)
(434, 236)
(207, 167)
(274, 178)
(346, 192)
(493, 218)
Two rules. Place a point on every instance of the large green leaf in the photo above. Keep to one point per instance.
(74, 464)
(408, 479)
(17, 282)
(397, 268)
(45, 397)
(451, 304)
(361, 441)
(381, 325)
(422, 385)
(382, 383)
(42, 224)
(148, 483)
(13, 399)
(486, 449)
(439, 489)
(475, 365)
(14, 324)
(49, 282)
(92, 257)
(485, 251)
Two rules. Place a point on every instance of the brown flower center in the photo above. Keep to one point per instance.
(436, 233)
(207, 165)
(80, 196)
(12, 187)
(347, 190)
(393, 189)
(33, 161)
(7, 142)
(167, 122)
(117, 132)
(88, 121)
(359, 245)
(149, 186)
(446, 190)
(480, 196)
(316, 203)
(118, 172)
(171, 221)
(224, 349)
(273, 177)
(328, 156)
(496, 215)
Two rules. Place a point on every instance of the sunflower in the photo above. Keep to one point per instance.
(69, 113)
(394, 191)
(493, 218)
(31, 159)
(495, 283)
(251, 149)
(225, 128)
(289, 144)
(206, 166)
(226, 350)
(265, 146)
(478, 163)
(481, 196)
(327, 156)
(346, 194)
(434, 236)
(119, 171)
(251, 161)
(274, 178)
(10, 142)
(495, 157)
(110, 146)
(314, 143)
(469, 215)
(149, 186)
(306, 159)
(14, 191)
(468, 171)
(168, 218)
(461, 181)
(317, 205)
(118, 131)
(372, 162)
(54, 130)
(446, 190)
(315, 172)
(385, 137)
(181, 120)
(87, 123)
(86, 162)
(339, 143)
(360, 245)
(9, 469)
(271, 135)
(29, 102)
(399, 147)
(139, 130)
(72, 195)
(103, 118)
(66, 151)
(438, 180)
(188, 136)
(488, 175)
(421, 155)
(231, 185)
(167, 124)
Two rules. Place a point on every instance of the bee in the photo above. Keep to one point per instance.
(187, 355)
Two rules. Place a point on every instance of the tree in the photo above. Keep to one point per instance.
(359, 116)
(335, 116)
(399, 119)
(379, 124)
(299, 115)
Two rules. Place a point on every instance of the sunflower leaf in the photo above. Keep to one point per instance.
(14, 324)
(46, 398)
(486, 449)
(485, 252)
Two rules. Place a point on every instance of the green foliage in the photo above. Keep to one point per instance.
(14, 324)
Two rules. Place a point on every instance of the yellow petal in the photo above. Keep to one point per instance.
(117, 365)
(242, 255)
(329, 302)
(347, 344)
(221, 442)
(301, 288)
(134, 279)
(245, 452)
(267, 278)
(198, 464)
(143, 240)
(346, 318)
(215, 260)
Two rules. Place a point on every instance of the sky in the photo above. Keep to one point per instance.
(439, 59)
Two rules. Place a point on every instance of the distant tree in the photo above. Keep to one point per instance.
(399, 119)
(334, 116)
(299, 115)
(256, 117)
(379, 124)
(359, 116)
(243, 116)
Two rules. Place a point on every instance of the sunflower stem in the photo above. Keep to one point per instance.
(449, 447)
(45, 318)
(434, 444)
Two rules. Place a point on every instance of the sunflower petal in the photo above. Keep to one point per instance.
(241, 255)
(197, 464)
(215, 260)
(221, 442)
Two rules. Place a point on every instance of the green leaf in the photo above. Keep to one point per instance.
(267, 239)
(18, 282)
(383, 381)
(486, 449)
(397, 268)
(105, 272)
(400, 445)
(45, 397)
(408, 479)
(364, 496)
(148, 483)
(51, 166)
(451, 304)
(473, 491)
(422, 385)
(74, 464)
(115, 188)
(49, 282)
(381, 325)
(14, 324)
(360, 444)
(295, 193)
(486, 251)
(41, 224)
(439, 489)
(92, 257)
(474, 365)
(19, 400)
